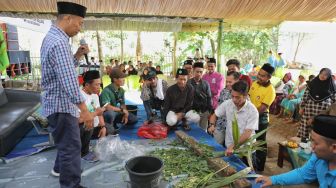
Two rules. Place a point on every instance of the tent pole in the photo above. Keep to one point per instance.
(121, 46)
(219, 45)
(138, 50)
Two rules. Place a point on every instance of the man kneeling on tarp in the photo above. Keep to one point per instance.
(90, 89)
(152, 93)
(113, 96)
(178, 102)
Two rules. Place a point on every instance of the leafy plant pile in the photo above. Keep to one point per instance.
(193, 169)
(183, 162)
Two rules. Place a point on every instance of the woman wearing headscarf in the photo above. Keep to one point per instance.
(319, 95)
(288, 84)
(293, 98)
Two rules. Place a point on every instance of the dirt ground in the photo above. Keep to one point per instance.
(280, 132)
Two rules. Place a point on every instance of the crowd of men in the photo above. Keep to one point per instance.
(76, 114)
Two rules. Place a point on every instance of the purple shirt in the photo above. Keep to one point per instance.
(216, 82)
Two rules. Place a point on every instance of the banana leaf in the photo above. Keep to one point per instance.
(235, 131)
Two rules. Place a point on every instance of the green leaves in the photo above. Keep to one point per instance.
(235, 131)
(179, 162)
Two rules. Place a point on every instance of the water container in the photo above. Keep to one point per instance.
(144, 171)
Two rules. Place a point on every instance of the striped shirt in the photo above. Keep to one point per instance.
(60, 85)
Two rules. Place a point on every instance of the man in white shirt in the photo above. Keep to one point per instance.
(91, 87)
(245, 111)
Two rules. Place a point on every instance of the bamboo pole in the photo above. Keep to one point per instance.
(214, 163)
(121, 46)
(138, 47)
(219, 45)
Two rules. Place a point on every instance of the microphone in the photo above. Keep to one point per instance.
(83, 42)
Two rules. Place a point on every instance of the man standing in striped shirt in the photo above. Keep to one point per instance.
(61, 97)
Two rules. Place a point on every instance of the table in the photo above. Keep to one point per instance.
(296, 157)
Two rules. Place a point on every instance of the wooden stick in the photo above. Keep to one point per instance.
(214, 163)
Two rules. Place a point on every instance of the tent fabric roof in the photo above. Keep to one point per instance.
(189, 12)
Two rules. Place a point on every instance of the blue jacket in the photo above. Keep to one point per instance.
(314, 169)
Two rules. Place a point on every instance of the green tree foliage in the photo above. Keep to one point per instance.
(249, 45)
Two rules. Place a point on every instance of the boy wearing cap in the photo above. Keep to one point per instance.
(215, 80)
(187, 65)
(202, 95)
(61, 97)
(114, 96)
(91, 87)
(233, 65)
(152, 93)
(321, 166)
(262, 95)
(178, 102)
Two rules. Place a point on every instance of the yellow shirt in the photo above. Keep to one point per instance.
(260, 94)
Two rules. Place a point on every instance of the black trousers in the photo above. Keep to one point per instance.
(65, 130)
(262, 155)
(85, 136)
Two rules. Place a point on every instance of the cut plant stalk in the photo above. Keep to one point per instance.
(228, 180)
(215, 163)
(246, 148)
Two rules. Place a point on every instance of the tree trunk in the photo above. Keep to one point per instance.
(138, 52)
(174, 55)
(213, 47)
(301, 37)
(100, 51)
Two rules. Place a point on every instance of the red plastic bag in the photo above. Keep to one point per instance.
(153, 131)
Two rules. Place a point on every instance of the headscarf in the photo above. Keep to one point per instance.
(288, 75)
(321, 90)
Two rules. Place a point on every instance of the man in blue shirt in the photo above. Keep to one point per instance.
(61, 97)
(321, 166)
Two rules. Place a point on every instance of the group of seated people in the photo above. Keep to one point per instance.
(302, 101)
(109, 108)
(129, 69)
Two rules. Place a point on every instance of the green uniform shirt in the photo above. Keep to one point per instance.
(113, 96)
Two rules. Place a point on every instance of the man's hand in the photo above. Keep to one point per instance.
(211, 129)
(87, 117)
(83, 49)
(125, 117)
(229, 150)
(266, 181)
(100, 111)
(102, 132)
(310, 121)
(147, 83)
